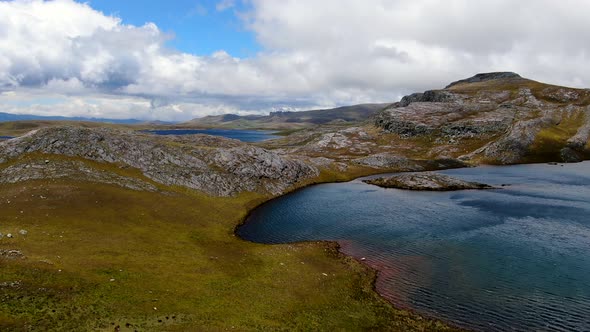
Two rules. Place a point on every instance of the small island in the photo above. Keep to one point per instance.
(427, 181)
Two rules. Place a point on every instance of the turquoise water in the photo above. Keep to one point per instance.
(516, 258)
(242, 135)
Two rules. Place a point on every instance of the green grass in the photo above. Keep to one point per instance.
(176, 252)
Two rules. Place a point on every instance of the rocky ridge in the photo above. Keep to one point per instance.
(482, 77)
(514, 119)
(214, 165)
(71, 170)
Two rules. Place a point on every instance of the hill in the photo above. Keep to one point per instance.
(5, 117)
(497, 118)
(290, 120)
(491, 118)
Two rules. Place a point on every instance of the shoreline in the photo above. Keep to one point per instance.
(343, 256)
(336, 245)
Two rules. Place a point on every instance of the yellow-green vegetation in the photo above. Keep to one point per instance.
(100, 257)
(541, 91)
(550, 140)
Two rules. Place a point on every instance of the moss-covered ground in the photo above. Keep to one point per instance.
(100, 257)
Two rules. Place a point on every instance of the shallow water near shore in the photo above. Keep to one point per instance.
(242, 135)
(515, 258)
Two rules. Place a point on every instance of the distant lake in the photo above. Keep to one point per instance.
(511, 259)
(242, 135)
(6, 137)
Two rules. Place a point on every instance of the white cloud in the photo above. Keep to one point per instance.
(315, 54)
(107, 106)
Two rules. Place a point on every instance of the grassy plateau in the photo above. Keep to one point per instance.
(103, 258)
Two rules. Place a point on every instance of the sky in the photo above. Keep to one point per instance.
(176, 60)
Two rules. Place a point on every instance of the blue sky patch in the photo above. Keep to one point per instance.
(199, 27)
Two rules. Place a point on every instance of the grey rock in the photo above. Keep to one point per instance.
(389, 161)
(512, 147)
(332, 142)
(582, 136)
(486, 77)
(430, 96)
(426, 181)
(568, 155)
(11, 253)
(495, 123)
(214, 165)
(71, 170)
(10, 284)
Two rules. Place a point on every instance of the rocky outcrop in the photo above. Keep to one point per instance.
(580, 140)
(500, 117)
(431, 96)
(389, 161)
(214, 165)
(569, 155)
(426, 181)
(71, 170)
(328, 142)
(451, 120)
(10, 254)
(486, 77)
(513, 146)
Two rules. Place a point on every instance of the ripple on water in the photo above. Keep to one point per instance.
(500, 260)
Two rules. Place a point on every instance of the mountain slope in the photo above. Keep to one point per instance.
(5, 117)
(500, 117)
(288, 120)
(214, 165)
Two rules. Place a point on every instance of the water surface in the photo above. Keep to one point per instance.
(516, 258)
(242, 135)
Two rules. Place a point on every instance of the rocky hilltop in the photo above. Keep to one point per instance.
(502, 117)
(214, 165)
(490, 118)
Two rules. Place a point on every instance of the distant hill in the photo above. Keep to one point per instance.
(287, 120)
(5, 117)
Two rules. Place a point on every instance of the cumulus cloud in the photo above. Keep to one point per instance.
(315, 54)
(109, 106)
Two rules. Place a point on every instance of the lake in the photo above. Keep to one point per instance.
(242, 135)
(516, 258)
